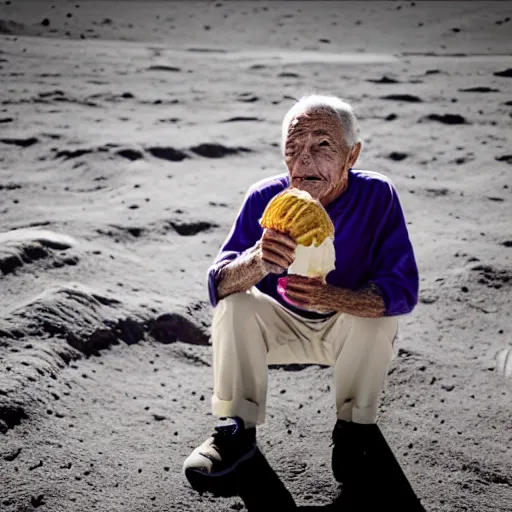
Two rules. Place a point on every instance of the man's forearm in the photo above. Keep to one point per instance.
(367, 302)
(240, 274)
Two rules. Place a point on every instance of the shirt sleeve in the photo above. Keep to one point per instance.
(395, 272)
(244, 233)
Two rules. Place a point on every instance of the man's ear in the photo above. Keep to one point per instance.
(354, 154)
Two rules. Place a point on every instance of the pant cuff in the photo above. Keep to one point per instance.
(248, 411)
(365, 415)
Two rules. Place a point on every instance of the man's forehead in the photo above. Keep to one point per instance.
(317, 123)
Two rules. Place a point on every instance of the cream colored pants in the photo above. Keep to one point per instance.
(251, 330)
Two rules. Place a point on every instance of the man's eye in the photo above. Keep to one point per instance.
(324, 143)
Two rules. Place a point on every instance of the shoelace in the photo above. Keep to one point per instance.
(224, 432)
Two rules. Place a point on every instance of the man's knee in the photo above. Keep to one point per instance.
(240, 301)
(237, 320)
(240, 306)
(382, 329)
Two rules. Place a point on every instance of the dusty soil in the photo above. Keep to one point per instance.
(129, 132)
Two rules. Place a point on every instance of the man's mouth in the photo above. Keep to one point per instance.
(311, 178)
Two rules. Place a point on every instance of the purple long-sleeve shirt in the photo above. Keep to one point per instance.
(371, 241)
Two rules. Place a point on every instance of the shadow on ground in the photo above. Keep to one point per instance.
(261, 490)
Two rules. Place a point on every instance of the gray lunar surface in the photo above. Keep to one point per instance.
(129, 134)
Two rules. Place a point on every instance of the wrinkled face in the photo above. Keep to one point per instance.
(317, 156)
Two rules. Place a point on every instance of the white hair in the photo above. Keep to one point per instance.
(335, 106)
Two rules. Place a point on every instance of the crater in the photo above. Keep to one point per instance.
(450, 119)
(11, 414)
(409, 98)
(479, 89)
(22, 143)
(171, 69)
(504, 158)
(213, 150)
(130, 154)
(383, 80)
(192, 228)
(242, 119)
(167, 153)
(397, 156)
(506, 73)
(22, 246)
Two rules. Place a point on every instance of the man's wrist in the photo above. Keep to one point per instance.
(240, 274)
(366, 302)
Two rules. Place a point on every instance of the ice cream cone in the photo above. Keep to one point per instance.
(304, 219)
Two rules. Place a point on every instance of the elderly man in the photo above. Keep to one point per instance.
(348, 320)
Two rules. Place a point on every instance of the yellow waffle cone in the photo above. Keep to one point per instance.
(297, 214)
(301, 217)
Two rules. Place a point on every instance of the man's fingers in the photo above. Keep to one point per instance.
(302, 283)
(276, 259)
(300, 286)
(299, 296)
(279, 249)
(283, 238)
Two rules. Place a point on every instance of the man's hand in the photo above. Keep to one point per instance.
(276, 251)
(273, 253)
(316, 294)
(309, 292)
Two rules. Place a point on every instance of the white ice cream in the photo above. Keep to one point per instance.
(314, 261)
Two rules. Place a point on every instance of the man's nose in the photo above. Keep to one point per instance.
(305, 156)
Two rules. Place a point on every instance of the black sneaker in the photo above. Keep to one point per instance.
(211, 466)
